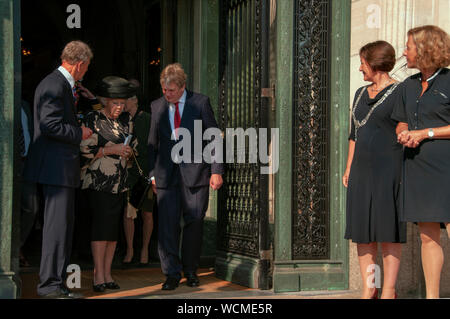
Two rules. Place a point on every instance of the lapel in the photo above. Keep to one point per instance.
(165, 119)
(186, 119)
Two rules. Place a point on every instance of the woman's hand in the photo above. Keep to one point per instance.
(351, 153)
(403, 137)
(154, 186)
(345, 178)
(120, 149)
(412, 139)
(126, 151)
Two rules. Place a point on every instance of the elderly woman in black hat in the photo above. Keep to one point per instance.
(104, 174)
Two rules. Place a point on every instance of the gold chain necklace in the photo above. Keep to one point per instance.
(114, 125)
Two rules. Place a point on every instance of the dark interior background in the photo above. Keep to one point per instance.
(125, 37)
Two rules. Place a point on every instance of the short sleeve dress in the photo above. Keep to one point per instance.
(426, 175)
(373, 187)
(104, 180)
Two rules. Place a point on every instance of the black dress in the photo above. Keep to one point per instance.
(373, 186)
(104, 180)
(426, 181)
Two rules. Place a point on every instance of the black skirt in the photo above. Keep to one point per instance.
(106, 210)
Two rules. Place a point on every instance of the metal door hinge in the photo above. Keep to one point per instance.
(270, 93)
(265, 254)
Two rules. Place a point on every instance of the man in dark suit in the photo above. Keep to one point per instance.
(54, 163)
(182, 189)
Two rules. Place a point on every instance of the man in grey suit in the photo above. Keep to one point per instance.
(54, 163)
(182, 189)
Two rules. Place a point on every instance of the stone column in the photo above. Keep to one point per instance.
(9, 106)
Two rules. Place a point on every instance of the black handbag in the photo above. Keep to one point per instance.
(141, 188)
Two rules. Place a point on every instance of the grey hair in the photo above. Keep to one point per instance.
(103, 100)
(173, 73)
(76, 51)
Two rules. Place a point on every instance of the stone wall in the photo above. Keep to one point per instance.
(390, 21)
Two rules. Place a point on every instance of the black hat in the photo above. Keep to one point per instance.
(115, 87)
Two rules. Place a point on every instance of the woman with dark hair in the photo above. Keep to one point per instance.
(423, 112)
(104, 177)
(141, 122)
(372, 176)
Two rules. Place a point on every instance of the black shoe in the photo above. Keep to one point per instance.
(72, 295)
(99, 287)
(171, 283)
(192, 280)
(62, 294)
(112, 285)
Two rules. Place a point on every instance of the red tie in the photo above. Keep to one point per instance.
(76, 97)
(177, 118)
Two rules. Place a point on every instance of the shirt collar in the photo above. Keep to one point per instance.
(433, 76)
(67, 75)
(181, 101)
(183, 98)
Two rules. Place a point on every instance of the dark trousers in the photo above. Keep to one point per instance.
(29, 207)
(175, 202)
(56, 237)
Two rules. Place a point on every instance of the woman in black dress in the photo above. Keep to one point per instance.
(423, 113)
(141, 123)
(104, 176)
(372, 176)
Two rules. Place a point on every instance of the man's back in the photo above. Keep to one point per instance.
(54, 154)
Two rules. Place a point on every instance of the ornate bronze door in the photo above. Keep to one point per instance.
(243, 202)
(311, 130)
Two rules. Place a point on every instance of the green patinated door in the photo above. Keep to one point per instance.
(243, 254)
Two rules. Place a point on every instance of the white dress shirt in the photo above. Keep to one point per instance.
(68, 76)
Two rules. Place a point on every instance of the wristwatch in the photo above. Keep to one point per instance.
(430, 133)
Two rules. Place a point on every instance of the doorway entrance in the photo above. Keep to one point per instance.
(125, 37)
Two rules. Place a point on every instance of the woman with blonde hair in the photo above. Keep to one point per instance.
(104, 176)
(423, 112)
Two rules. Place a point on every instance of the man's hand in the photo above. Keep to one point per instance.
(87, 132)
(85, 92)
(216, 181)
